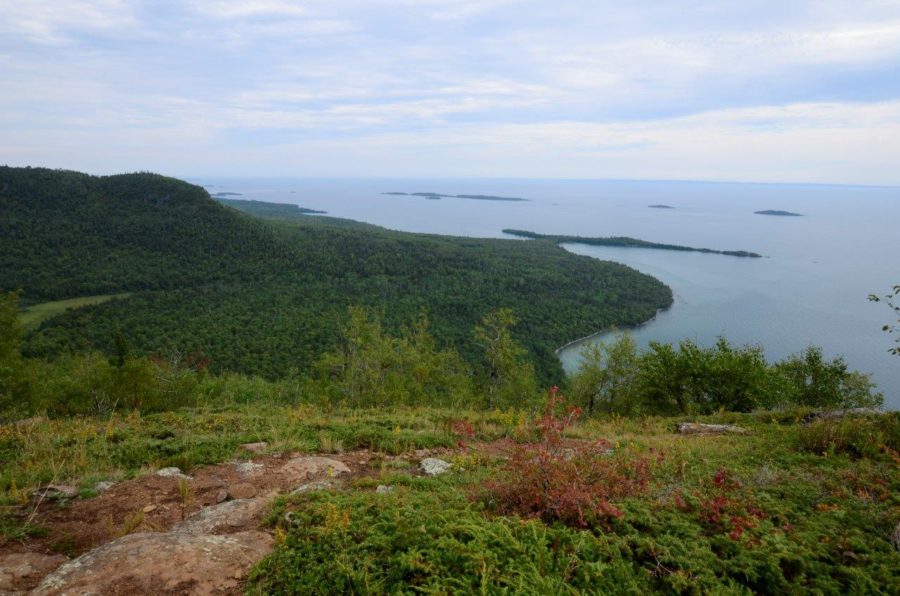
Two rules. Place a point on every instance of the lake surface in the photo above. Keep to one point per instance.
(810, 289)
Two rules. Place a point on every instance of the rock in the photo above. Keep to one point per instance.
(836, 414)
(313, 486)
(224, 518)
(222, 495)
(155, 563)
(149, 508)
(104, 485)
(433, 466)
(242, 490)
(248, 468)
(22, 571)
(303, 468)
(384, 489)
(55, 491)
(255, 447)
(172, 473)
(697, 428)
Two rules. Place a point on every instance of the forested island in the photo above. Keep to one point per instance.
(778, 212)
(437, 196)
(661, 207)
(623, 241)
(217, 195)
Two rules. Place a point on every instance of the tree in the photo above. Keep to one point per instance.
(509, 376)
(893, 301)
(808, 379)
(607, 376)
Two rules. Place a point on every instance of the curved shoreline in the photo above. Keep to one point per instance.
(558, 350)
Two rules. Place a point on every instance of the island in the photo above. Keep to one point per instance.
(661, 207)
(778, 212)
(438, 196)
(226, 194)
(626, 242)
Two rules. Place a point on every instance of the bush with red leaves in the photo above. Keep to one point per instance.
(559, 479)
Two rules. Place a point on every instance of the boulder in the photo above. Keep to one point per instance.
(23, 571)
(103, 485)
(258, 447)
(697, 428)
(55, 491)
(433, 466)
(172, 473)
(248, 468)
(224, 518)
(313, 486)
(242, 490)
(384, 489)
(154, 563)
(301, 469)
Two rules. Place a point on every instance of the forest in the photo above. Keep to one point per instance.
(267, 296)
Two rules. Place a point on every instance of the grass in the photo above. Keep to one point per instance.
(788, 508)
(34, 315)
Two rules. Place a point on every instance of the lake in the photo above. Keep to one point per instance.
(810, 288)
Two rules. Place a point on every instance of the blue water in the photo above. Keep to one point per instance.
(810, 289)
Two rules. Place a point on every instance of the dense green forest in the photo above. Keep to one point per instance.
(267, 297)
(626, 242)
(264, 209)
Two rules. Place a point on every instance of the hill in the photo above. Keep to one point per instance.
(268, 297)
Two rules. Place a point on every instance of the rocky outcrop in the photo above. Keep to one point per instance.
(224, 518)
(301, 469)
(154, 563)
(21, 571)
(697, 428)
(432, 466)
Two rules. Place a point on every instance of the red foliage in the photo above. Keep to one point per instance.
(566, 480)
(725, 509)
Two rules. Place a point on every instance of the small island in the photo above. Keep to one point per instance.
(661, 207)
(437, 196)
(778, 212)
(625, 242)
(226, 194)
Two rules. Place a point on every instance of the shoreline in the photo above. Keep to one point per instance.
(565, 346)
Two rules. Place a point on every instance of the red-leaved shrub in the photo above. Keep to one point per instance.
(568, 480)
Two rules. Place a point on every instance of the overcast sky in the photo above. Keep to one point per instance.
(748, 90)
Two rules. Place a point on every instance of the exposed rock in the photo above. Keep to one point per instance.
(149, 508)
(697, 428)
(224, 517)
(172, 473)
(303, 468)
(313, 486)
(153, 563)
(384, 489)
(242, 490)
(433, 466)
(23, 571)
(835, 414)
(255, 447)
(104, 485)
(222, 495)
(248, 468)
(55, 491)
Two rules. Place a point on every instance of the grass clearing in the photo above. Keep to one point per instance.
(34, 315)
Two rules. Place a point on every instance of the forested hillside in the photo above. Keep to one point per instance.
(268, 297)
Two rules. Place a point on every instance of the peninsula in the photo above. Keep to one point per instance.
(624, 241)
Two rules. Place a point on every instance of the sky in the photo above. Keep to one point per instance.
(744, 90)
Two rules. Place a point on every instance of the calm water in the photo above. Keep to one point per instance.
(810, 289)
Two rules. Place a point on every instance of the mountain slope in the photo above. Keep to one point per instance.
(270, 296)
